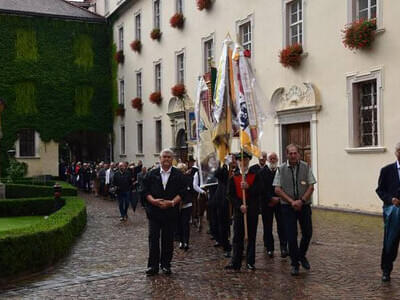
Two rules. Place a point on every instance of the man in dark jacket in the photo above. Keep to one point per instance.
(251, 210)
(122, 180)
(163, 189)
(389, 192)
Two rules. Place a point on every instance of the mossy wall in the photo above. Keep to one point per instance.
(55, 77)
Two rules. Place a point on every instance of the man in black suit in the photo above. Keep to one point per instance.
(163, 190)
(389, 191)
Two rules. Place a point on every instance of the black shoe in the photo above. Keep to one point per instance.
(186, 247)
(294, 271)
(270, 254)
(227, 254)
(217, 244)
(166, 270)
(151, 272)
(284, 253)
(122, 219)
(251, 267)
(305, 264)
(232, 267)
(180, 245)
(385, 277)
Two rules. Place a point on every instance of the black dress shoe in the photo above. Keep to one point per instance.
(180, 245)
(151, 272)
(186, 247)
(385, 277)
(217, 244)
(294, 271)
(232, 267)
(251, 267)
(227, 254)
(166, 270)
(305, 264)
(284, 253)
(270, 254)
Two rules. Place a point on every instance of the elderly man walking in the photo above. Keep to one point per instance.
(294, 184)
(123, 182)
(389, 192)
(164, 188)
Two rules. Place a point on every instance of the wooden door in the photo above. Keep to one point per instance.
(298, 134)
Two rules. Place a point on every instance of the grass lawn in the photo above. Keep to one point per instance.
(18, 222)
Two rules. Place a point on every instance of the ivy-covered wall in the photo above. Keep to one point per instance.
(55, 76)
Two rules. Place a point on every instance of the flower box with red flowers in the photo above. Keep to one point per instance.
(178, 90)
(177, 20)
(204, 4)
(120, 111)
(291, 56)
(359, 34)
(155, 34)
(136, 45)
(247, 53)
(155, 97)
(137, 103)
(120, 57)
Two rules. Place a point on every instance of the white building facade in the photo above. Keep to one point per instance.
(339, 105)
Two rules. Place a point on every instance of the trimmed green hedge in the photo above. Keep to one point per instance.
(33, 191)
(32, 248)
(29, 206)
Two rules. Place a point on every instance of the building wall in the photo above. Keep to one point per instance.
(346, 179)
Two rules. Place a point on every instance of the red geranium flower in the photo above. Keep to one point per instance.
(136, 45)
(155, 98)
(120, 111)
(178, 90)
(120, 57)
(177, 20)
(137, 103)
(291, 56)
(203, 4)
(155, 34)
(359, 34)
(247, 53)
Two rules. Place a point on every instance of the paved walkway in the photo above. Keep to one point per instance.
(109, 260)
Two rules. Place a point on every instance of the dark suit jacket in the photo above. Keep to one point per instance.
(266, 190)
(152, 183)
(388, 184)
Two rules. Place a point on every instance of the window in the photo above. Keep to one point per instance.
(156, 14)
(208, 55)
(121, 38)
(180, 68)
(158, 136)
(121, 92)
(139, 84)
(364, 108)
(122, 140)
(364, 10)
(157, 76)
(179, 6)
(294, 21)
(245, 35)
(138, 27)
(27, 142)
(140, 137)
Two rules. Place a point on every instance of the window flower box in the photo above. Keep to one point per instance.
(120, 57)
(177, 20)
(155, 34)
(359, 34)
(137, 103)
(136, 46)
(155, 98)
(178, 90)
(120, 111)
(291, 56)
(204, 4)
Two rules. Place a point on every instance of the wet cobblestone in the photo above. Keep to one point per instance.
(109, 259)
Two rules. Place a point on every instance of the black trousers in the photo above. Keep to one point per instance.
(212, 213)
(268, 214)
(238, 238)
(391, 238)
(183, 224)
(290, 218)
(163, 228)
(224, 226)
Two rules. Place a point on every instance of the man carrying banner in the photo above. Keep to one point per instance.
(240, 212)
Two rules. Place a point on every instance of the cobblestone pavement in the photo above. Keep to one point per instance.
(109, 259)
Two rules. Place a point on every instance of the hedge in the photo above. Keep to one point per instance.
(31, 249)
(33, 191)
(30, 206)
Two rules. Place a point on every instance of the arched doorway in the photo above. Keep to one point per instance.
(181, 148)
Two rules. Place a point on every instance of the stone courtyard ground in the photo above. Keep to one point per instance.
(109, 259)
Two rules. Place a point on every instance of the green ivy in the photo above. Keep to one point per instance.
(71, 64)
(25, 46)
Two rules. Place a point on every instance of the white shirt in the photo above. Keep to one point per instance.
(108, 176)
(398, 167)
(165, 176)
(196, 186)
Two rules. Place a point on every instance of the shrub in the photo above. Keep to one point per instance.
(32, 191)
(137, 103)
(136, 46)
(155, 97)
(30, 206)
(17, 169)
(38, 246)
(291, 56)
(359, 34)
(204, 4)
(178, 90)
(155, 34)
(177, 20)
